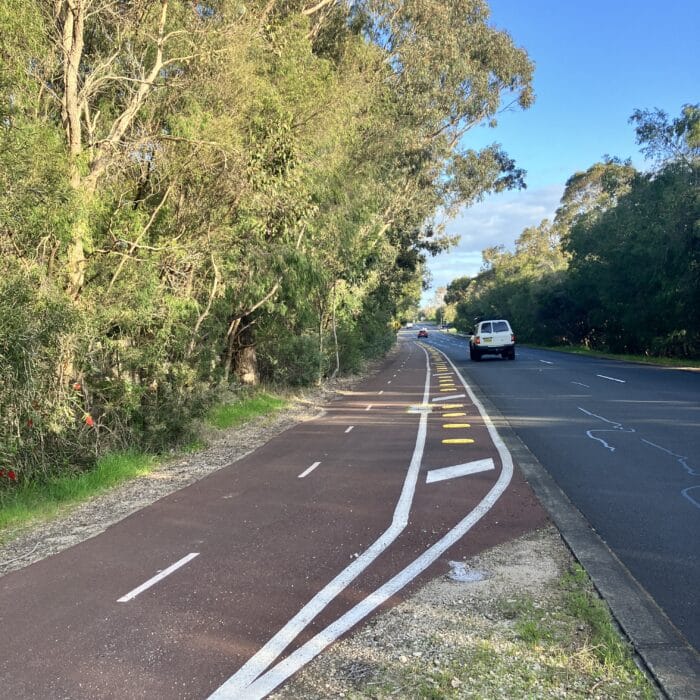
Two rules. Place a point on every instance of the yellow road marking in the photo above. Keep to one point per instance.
(453, 405)
(458, 441)
(456, 425)
(453, 415)
(448, 389)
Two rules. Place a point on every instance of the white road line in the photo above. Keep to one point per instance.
(308, 471)
(283, 670)
(449, 398)
(612, 379)
(236, 685)
(382, 391)
(480, 465)
(158, 577)
(349, 428)
(547, 362)
(369, 406)
(616, 427)
(582, 384)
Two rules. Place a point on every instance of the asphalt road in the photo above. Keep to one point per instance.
(226, 588)
(622, 440)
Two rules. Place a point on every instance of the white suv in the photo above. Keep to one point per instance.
(492, 337)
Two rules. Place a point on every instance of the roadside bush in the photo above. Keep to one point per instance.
(44, 422)
(292, 360)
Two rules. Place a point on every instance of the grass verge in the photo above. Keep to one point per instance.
(564, 646)
(30, 502)
(644, 359)
(228, 415)
(41, 501)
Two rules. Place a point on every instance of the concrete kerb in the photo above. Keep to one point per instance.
(663, 653)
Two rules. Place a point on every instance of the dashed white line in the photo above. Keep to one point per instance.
(158, 577)
(612, 379)
(308, 471)
(349, 428)
(547, 362)
(369, 406)
(582, 384)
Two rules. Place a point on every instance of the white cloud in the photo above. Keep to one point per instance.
(498, 220)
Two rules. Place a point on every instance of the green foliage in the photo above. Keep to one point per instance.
(290, 359)
(260, 206)
(619, 268)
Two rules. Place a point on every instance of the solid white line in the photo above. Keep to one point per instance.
(612, 379)
(349, 428)
(236, 686)
(308, 471)
(449, 398)
(283, 670)
(480, 465)
(158, 577)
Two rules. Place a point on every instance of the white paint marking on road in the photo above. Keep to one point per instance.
(308, 471)
(449, 398)
(683, 461)
(349, 428)
(547, 362)
(381, 392)
(266, 683)
(612, 379)
(582, 384)
(480, 465)
(616, 427)
(369, 406)
(236, 686)
(158, 577)
(389, 382)
(686, 493)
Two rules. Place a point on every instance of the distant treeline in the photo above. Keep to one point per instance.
(618, 268)
(196, 195)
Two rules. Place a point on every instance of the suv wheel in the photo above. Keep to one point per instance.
(510, 354)
(474, 354)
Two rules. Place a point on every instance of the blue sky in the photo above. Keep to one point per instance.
(595, 62)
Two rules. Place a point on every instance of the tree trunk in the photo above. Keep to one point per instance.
(246, 358)
(335, 335)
